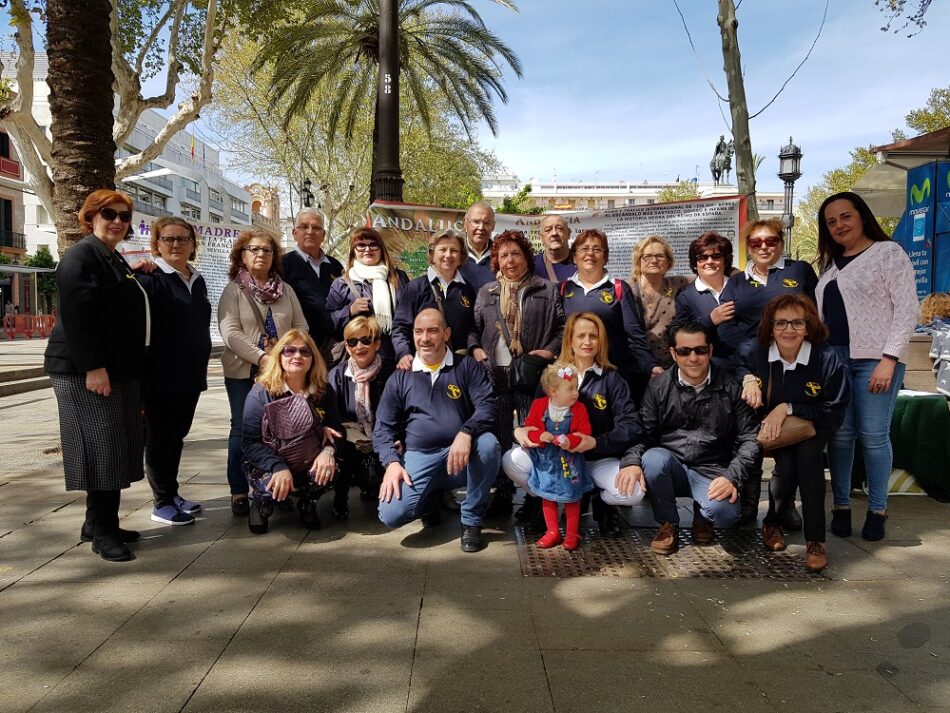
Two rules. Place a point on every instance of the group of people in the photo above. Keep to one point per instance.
(498, 368)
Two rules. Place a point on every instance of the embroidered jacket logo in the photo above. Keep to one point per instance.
(812, 388)
(789, 282)
(606, 297)
(600, 402)
(453, 391)
(466, 302)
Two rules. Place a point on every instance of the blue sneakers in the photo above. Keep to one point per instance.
(187, 505)
(171, 515)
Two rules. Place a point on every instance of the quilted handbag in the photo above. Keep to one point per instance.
(293, 430)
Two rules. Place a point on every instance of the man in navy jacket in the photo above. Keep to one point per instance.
(310, 271)
(433, 433)
(479, 224)
(555, 235)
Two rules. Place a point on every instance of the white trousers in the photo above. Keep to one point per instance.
(517, 465)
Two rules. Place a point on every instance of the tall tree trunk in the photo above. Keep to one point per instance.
(80, 82)
(732, 64)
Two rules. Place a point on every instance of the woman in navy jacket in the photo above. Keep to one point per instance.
(790, 371)
(176, 369)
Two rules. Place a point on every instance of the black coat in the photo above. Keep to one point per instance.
(542, 317)
(102, 314)
(177, 360)
(344, 389)
(312, 290)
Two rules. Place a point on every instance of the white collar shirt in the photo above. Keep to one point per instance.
(804, 354)
(419, 365)
(168, 269)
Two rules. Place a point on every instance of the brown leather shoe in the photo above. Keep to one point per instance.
(667, 539)
(815, 559)
(772, 536)
(702, 530)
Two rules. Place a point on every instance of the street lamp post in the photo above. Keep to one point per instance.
(387, 181)
(789, 170)
(306, 195)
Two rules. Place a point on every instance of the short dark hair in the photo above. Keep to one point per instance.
(815, 331)
(585, 236)
(519, 239)
(828, 248)
(687, 328)
(710, 239)
(245, 237)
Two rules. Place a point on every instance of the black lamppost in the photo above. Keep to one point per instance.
(306, 195)
(387, 181)
(789, 170)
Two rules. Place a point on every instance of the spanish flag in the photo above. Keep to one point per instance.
(192, 147)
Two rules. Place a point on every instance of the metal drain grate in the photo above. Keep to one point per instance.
(737, 554)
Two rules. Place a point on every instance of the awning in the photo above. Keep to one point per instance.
(25, 269)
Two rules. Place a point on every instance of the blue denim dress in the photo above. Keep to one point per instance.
(557, 474)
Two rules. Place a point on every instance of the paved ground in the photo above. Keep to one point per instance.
(354, 618)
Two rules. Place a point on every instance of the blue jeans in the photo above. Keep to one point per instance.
(667, 478)
(237, 390)
(429, 478)
(867, 419)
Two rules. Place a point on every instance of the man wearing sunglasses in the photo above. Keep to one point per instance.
(442, 410)
(310, 271)
(698, 440)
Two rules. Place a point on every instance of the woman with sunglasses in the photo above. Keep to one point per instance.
(256, 308)
(176, 366)
(701, 302)
(358, 383)
(592, 289)
(792, 372)
(767, 275)
(289, 430)
(370, 286)
(95, 359)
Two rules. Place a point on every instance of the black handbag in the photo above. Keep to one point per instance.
(526, 369)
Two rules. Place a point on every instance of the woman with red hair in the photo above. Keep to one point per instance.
(95, 359)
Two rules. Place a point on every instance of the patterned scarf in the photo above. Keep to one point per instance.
(510, 311)
(383, 295)
(361, 379)
(268, 293)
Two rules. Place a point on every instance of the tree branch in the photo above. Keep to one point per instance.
(147, 45)
(696, 53)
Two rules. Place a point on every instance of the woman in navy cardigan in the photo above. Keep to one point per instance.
(176, 365)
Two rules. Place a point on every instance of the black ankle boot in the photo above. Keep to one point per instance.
(529, 511)
(607, 517)
(258, 516)
(307, 509)
(88, 531)
(110, 547)
(341, 505)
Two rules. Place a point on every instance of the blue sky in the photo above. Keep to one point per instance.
(611, 88)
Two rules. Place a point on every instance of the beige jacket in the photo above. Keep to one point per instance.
(240, 329)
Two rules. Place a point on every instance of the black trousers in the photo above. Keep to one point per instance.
(168, 420)
(356, 467)
(800, 466)
(102, 510)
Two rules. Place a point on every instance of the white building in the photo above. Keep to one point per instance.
(562, 196)
(184, 180)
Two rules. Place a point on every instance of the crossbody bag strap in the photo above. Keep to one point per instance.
(437, 293)
(349, 283)
(256, 311)
(502, 324)
(549, 266)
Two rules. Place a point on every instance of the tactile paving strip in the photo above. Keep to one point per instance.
(736, 554)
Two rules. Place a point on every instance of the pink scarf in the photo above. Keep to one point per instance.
(268, 293)
(361, 380)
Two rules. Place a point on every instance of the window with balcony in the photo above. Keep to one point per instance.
(8, 165)
(212, 218)
(190, 212)
(770, 204)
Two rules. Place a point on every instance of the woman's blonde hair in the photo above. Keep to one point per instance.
(567, 351)
(641, 247)
(936, 304)
(273, 378)
(557, 373)
(362, 324)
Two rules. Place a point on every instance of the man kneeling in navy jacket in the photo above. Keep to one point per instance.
(442, 410)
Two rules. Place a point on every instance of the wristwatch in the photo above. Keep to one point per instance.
(788, 409)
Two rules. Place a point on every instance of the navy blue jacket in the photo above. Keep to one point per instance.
(613, 416)
(695, 306)
(312, 291)
(344, 389)
(177, 359)
(562, 270)
(101, 321)
(252, 438)
(459, 310)
(626, 345)
(751, 296)
(478, 273)
(430, 415)
(341, 297)
(817, 390)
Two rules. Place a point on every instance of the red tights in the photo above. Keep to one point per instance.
(552, 538)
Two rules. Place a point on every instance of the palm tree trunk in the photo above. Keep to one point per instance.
(80, 82)
(739, 108)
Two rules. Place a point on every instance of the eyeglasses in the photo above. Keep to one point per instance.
(259, 250)
(686, 351)
(709, 256)
(175, 239)
(315, 227)
(365, 341)
(366, 247)
(111, 214)
(769, 242)
(653, 258)
(592, 250)
(780, 325)
(292, 351)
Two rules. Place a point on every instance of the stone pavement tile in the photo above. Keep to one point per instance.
(145, 676)
(343, 573)
(650, 681)
(645, 619)
(927, 684)
(848, 561)
(486, 591)
(477, 660)
(823, 691)
(927, 557)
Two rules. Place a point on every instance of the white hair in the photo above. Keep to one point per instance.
(312, 211)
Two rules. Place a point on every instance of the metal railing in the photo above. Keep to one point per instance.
(219, 205)
(238, 215)
(150, 209)
(192, 195)
(9, 239)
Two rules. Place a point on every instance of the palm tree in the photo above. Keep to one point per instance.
(80, 99)
(443, 44)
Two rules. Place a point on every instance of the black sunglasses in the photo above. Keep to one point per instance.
(111, 214)
(365, 341)
(686, 351)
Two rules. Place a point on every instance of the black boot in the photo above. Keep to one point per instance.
(110, 547)
(749, 495)
(88, 531)
(341, 505)
(307, 509)
(529, 511)
(258, 516)
(607, 517)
